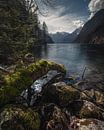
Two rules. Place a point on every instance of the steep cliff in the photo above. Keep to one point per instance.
(93, 30)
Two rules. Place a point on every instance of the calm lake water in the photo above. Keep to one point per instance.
(75, 57)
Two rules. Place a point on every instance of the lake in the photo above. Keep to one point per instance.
(75, 57)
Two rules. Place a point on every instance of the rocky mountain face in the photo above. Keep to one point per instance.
(59, 36)
(93, 30)
(72, 36)
(64, 37)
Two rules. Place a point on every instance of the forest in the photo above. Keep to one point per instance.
(20, 29)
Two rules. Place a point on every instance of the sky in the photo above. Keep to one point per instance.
(67, 15)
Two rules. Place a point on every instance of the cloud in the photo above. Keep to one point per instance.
(66, 15)
(95, 5)
(78, 23)
(57, 21)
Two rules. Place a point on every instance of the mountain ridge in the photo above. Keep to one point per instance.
(65, 37)
(93, 30)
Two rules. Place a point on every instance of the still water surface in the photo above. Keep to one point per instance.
(75, 57)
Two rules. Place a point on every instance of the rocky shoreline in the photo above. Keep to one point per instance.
(40, 97)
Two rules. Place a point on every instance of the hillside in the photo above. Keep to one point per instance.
(64, 37)
(58, 36)
(19, 30)
(93, 30)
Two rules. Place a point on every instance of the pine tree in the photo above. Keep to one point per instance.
(45, 32)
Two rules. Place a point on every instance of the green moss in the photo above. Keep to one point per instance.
(13, 117)
(68, 93)
(60, 95)
(46, 66)
(7, 94)
(23, 78)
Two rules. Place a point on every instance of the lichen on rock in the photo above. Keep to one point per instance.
(60, 94)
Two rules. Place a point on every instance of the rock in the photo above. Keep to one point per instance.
(58, 84)
(86, 124)
(82, 85)
(46, 80)
(41, 68)
(74, 107)
(96, 96)
(90, 110)
(60, 93)
(29, 58)
(70, 80)
(23, 78)
(17, 118)
(53, 118)
(36, 88)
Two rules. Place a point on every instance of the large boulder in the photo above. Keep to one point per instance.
(17, 118)
(60, 93)
(22, 78)
(90, 110)
(53, 118)
(94, 95)
(32, 94)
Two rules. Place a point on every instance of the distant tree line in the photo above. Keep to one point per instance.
(20, 28)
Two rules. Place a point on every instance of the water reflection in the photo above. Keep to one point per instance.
(40, 51)
(74, 56)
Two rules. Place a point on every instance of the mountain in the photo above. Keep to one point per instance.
(49, 39)
(64, 37)
(72, 36)
(59, 37)
(93, 30)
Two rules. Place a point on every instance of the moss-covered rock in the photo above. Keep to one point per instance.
(42, 67)
(68, 93)
(17, 118)
(23, 77)
(60, 94)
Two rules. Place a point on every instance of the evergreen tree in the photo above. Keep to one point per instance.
(45, 32)
(19, 28)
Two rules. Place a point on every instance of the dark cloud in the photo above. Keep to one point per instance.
(67, 15)
(79, 7)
